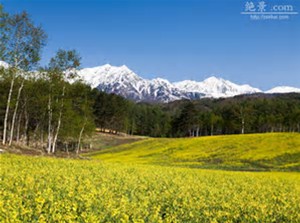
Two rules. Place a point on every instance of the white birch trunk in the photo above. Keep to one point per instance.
(59, 121)
(19, 127)
(49, 125)
(26, 128)
(80, 137)
(7, 110)
(243, 125)
(15, 114)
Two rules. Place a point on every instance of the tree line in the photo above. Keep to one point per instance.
(256, 113)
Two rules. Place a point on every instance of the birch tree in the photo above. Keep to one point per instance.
(20, 43)
(62, 68)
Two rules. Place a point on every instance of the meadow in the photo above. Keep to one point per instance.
(151, 180)
(249, 152)
(36, 189)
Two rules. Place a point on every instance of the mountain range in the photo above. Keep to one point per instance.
(123, 81)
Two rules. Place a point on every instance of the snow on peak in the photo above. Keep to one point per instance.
(161, 81)
(213, 79)
(124, 67)
(107, 74)
(105, 66)
(283, 89)
(121, 80)
(216, 87)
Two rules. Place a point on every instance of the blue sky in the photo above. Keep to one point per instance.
(173, 39)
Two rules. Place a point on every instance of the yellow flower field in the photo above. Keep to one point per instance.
(36, 189)
(250, 152)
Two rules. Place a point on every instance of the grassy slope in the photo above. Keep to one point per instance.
(272, 151)
(100, 141)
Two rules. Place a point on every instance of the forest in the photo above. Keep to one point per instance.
(256, 113)
(48, 107)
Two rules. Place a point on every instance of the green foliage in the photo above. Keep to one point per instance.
(56, 190)
(188, 120)
(21, 41)
(77, 112)
(252, 152)
(32, 117)
(114, 113)
(65, 60)
(2, 19)
(243, 114)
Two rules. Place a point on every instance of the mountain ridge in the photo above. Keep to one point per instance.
(123, 81)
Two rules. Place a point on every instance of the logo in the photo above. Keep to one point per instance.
(264, 11)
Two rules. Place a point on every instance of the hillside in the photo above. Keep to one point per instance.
(98, 141)
(252, 152)
(101, 140)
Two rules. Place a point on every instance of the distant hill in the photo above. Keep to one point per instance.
(251, 152)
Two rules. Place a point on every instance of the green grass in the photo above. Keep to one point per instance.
(251, 152)
(39, 189)
(100, 141)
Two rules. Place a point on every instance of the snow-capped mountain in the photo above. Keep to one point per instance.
(216, 87)
(283, 89)
(121, 80)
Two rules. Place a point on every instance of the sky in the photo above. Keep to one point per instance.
(173, 39)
